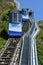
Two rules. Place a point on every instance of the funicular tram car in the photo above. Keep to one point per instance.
(25, 15)
(15, 24)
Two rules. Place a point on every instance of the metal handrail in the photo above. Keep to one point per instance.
(34, 60)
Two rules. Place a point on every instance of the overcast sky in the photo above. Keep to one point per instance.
(35, 5)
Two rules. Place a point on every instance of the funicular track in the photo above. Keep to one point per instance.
(29, 52)
(6, 57)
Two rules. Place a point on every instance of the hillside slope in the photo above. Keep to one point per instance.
(40, 43)
(5, 6)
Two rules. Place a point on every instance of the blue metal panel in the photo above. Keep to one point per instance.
(25, 18)
(13, 33)
(15, 29)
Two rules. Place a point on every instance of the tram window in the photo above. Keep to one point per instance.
(19, 17)
(15, 17)
(24, 12)
(30, 14)
(10, 17)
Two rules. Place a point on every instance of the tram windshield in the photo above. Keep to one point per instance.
(15, 17)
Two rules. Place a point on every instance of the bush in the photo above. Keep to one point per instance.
(4, 34)
(5, 15)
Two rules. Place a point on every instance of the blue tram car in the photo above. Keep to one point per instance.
(25, 15)
(15, 24)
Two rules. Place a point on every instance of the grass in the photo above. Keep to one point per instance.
(2, 42)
